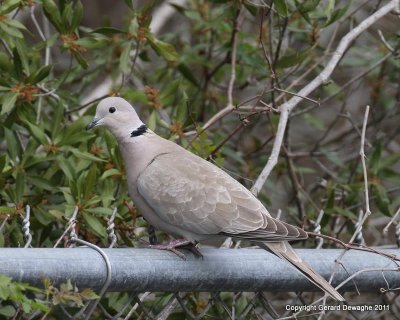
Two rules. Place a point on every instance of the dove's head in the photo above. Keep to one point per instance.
(117, 115)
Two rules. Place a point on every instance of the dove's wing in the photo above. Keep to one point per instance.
(193, 194)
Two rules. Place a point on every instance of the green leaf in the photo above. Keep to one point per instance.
(94, 225)
(40, 182)
(187, 73)
(90, 181)
(14, 32)
(344, 212)
(81, 60)
(66, 167)
(390, 160)
(337, 14)
(166, 50)
(67, 16)
(78, 14)
(169, 93)
(19, 186)
(376, 159)
(124, 59)
(57, 214)
(23, 49)
(13, 144)
(152, 122)
(329, 9)
(26, 306)
(330, 203)
(67, 286)
(7, 210)
(43, 216)
(9, 100)
(85, 155)
(129, 4)
(38, 133)
(108, 30)
(281, 7)
(106, 212)
(57, 117)
(17, 64)
(110, 172)
(309, 5)
(8, 5)
(381, 199)
(293, 59)
(53, 14)
(134, 95)
(40, 305)
(250, 8)
(4, 287)
(181, 110)
(40, 74)
(92, 43)
(89, 294)
(7, 311)
(15, 24)
(2, 162)
(5, 62)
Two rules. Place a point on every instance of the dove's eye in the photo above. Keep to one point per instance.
(111, 110)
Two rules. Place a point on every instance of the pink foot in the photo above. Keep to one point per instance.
(178, 243)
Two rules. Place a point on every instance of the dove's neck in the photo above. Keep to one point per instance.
(141, 130)
(140, 147)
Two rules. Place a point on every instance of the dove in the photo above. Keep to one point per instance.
(190, 198)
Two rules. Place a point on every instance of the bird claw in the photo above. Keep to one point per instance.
(178, 243)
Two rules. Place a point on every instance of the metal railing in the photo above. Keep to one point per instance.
(246, 283)
(229, 270)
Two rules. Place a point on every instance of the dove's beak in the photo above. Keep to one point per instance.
(94, 123)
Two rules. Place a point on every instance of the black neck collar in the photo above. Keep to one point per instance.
(139, 131)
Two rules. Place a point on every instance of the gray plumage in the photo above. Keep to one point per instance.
(187, 196)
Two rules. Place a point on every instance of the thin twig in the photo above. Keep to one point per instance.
(4, 223)
(317, 229)
(386, 229)
(87, 104)
(364, 166)
(387, 44)
(41, 34)
(353, 246)
(46, 59)
(70, 226)
(297, 95)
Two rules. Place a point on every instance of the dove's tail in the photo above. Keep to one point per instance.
(285, 251)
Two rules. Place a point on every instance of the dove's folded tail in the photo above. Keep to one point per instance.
(285, 251)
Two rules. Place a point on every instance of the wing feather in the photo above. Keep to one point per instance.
(189, 192)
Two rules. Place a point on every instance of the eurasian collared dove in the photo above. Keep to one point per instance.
(187, 196)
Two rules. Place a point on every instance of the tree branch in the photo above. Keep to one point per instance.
(322, 78)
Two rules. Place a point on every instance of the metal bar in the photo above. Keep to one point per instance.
(143, 270)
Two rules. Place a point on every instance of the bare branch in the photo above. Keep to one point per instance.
(322, 78)
(233, 64)
(386, 229)
(364, 166)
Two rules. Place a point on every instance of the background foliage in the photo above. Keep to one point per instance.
(55, 58)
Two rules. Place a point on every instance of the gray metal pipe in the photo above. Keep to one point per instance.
(143, 270)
